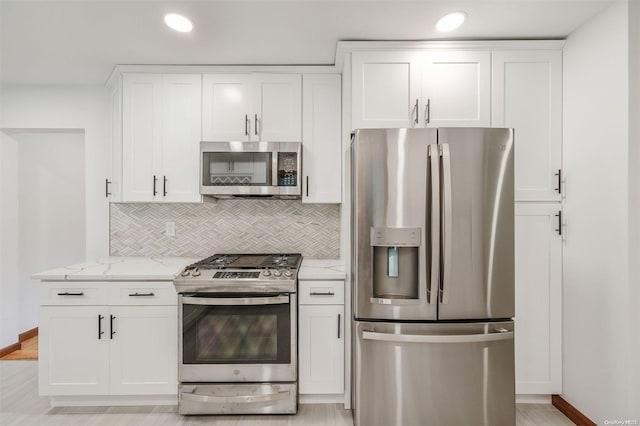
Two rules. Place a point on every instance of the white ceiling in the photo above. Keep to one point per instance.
(79, 42)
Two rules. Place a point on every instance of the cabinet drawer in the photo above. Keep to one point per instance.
(321, 292)
(73, 293)
(143, 293)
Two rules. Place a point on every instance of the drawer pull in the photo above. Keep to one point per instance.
(136, 294)
(317, 293)
(66, 293)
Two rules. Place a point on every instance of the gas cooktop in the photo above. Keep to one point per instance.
(249, 261)
(241, 273)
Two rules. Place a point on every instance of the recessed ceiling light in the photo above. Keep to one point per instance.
(178, 22)
(451, 21)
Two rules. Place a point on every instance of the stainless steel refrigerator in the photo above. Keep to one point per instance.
(433, 276)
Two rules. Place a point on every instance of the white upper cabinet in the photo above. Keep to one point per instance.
(252, 107)
(421, 88)
(226, 105)
(141, 111)
(160, 137)
(180, 138)
(386, 89)
(527, 95)
(321, 143)
(456, 89)
(277, 112)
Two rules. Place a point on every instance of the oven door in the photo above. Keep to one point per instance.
(237, 337)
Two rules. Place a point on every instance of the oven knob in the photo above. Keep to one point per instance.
(277, 273)
(196, 272)
(288, 273)
(185, 272)
(266, 273)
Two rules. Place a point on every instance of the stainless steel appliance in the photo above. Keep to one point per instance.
(267, 169)
(433, 276)
(238, 334)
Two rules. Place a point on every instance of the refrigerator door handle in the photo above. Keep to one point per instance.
(434, 178)
(438, 338)
(447, 224)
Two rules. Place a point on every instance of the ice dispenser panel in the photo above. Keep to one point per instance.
(395, 262)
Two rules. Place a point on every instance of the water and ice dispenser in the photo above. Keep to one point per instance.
(395, 262)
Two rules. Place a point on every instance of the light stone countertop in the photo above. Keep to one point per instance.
(119, 269)
(321, 269)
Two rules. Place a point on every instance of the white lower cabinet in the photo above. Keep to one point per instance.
(321, 337)
(143, 353)
(72, 358)
(538, 268)
(107, 349)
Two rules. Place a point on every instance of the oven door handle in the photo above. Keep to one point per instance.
(234, 399)
(235, 301)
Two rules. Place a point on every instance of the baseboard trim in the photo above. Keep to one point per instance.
(28, 334)
(11, 348)
(18, 345)
(571, 412)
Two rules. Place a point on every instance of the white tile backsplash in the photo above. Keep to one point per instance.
(236, 225)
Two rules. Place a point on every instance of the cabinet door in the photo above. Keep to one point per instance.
(141, 130)
(277, 113)
(226, 107)
(143, 350)
(321, 143)
(73, 359)
(113, 189)
(321, 349)
(538, 339)
(385, 89)
(527, 95)
(456, 89)
(181, 135)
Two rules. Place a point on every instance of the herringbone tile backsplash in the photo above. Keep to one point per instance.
(240, 226)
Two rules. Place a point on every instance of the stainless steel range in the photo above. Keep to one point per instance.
(238, 327)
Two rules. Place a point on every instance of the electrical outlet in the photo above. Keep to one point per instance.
(170, 229)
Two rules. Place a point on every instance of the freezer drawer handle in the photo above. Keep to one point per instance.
(419, 338)
(235, 399)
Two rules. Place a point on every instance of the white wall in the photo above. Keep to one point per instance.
(51, 207)
(80, 108)
(634, 206)
(9, 287)
(84, 109)
(596, 262)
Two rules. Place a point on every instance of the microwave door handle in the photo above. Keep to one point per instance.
(434, 213)
(274, 169)
(447, 224)
(235, 301)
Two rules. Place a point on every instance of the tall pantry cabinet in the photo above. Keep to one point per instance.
(488, 84)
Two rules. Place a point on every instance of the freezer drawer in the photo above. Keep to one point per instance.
(232, 398)
(434, 374)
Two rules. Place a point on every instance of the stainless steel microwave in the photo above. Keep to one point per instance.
(268, 169)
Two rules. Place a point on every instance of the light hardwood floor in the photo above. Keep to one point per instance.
(20, 405)
(29, 350)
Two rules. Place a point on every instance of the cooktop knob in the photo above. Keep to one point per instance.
(196, 272)
(288, 273)
(266, 273)
(277, 273)
(185, 272)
